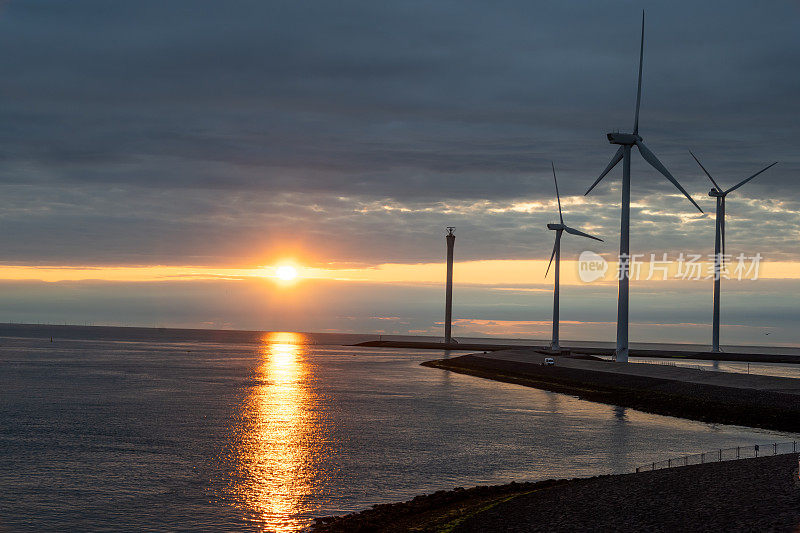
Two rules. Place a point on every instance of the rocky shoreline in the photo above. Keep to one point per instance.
(760, 494)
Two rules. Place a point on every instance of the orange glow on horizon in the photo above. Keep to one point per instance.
(485, 272)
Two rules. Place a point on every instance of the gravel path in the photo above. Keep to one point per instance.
(749, 495)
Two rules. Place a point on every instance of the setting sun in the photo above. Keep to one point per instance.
(286, 273)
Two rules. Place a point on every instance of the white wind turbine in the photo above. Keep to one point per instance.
(559, 229)
(719, 242)
(626, 142)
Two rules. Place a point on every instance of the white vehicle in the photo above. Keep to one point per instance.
(548, 361)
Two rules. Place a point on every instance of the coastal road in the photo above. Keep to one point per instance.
(650, 370)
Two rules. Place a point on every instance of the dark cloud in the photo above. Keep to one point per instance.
(198, 131)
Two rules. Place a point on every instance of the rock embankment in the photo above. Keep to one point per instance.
(748, 495)
(719, 397)
(759, 494)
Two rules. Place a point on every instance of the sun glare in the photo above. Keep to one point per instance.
(286, 273)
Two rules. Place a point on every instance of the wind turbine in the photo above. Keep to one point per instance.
(719, 242)
(626, 142)
(559, 229)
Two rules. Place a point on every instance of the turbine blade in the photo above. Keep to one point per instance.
(651, 158)
(557, 195)
(639, 89)
(614, 160)
(555, 244)
(573, 231)
(751, 177)
(706, 171)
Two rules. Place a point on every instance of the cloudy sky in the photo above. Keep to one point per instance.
(207, 136)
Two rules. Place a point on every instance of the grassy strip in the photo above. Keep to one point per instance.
(450, 526)
(440, 512)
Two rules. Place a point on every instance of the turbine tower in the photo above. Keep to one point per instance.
(448, 302)
(559, 229)
(719, 242)
(626, 141)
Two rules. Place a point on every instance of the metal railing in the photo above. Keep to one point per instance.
(723, 454)
(676, 365)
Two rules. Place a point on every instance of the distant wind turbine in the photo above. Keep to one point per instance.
(559, 229)
(719, 242)
(626, 141)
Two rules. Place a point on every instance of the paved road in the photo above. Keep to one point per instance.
(687, 375)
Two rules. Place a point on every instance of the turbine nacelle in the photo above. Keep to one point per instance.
(625, 139)
(714, 192)
(556, 226)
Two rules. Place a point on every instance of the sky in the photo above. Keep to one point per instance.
(159, 160)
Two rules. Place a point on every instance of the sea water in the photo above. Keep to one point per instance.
(266, 431)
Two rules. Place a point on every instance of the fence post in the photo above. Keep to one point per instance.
(756, 450)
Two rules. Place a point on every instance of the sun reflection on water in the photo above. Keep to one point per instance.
(277, 450)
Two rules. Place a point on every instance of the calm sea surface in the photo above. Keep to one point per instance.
(265, 435)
